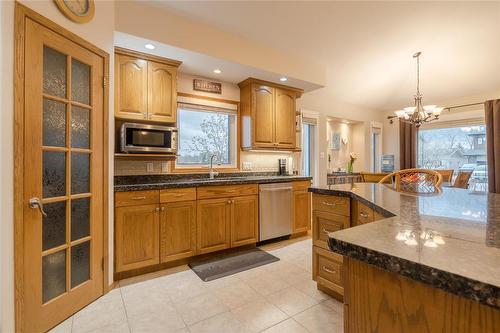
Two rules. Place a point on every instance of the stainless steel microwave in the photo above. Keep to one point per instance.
(143, 138)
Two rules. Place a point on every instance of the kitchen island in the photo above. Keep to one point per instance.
(432, 265)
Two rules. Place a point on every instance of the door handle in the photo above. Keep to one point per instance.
(35, 203)
(325, 231)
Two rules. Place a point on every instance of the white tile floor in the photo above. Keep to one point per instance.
(278, 297)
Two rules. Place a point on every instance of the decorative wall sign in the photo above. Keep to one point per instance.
(345, 140)
(335, 141)
(207, 86)
(80, 11)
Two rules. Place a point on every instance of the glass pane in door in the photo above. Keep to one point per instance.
(80, 173)
(80, 127)
(54, 123)
(80, 263)
(54, 72)
(54, 174)
(54, 225)
(80, 82)
(80, 218)
(53, 275)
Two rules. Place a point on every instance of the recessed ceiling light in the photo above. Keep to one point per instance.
(150, 46)
(217, 71)
(283, 79)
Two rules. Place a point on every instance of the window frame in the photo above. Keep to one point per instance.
(209, 102)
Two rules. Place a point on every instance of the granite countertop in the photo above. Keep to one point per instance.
(449, 240)
(158, 182)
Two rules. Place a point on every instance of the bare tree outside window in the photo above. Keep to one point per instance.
(202, 134)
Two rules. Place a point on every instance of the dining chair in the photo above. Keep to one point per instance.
(446, 173)
(414, 180)
(462, 180)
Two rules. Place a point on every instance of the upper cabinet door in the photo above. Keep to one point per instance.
(285, 119)
(263, 115)
(131, 86)
(162, 93)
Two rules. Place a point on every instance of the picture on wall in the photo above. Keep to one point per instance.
(335, 141)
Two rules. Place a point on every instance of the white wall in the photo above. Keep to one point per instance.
(99, 32)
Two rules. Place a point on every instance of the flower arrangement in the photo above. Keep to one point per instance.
(350, 165)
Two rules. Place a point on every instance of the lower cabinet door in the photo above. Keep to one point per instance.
(213, 222)
(136, 237)
(302, 211)
(244, 222)
(177, 230)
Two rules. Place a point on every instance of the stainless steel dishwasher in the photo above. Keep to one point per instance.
(275, 210)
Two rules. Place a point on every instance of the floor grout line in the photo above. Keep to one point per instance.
(125, 309)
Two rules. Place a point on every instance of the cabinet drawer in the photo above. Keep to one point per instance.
(134, 198)
(327, 269)
(178, 194)
(324, 223)
(302, 185)
(208, 192)
(331, 204)
(365, 214)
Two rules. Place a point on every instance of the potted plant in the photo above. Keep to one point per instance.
(350, 165)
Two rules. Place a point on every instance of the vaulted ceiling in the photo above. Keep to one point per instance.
(367, 47)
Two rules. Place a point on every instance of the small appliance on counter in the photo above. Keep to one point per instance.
(282, 167)
(143, 138)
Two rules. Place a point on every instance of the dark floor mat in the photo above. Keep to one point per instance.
(231, 263)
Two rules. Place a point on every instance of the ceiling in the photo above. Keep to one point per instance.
(203, 65)
(367, 47)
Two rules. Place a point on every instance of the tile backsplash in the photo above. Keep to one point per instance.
(249, 161)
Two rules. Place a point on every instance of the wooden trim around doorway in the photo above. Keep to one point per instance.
(21, 14)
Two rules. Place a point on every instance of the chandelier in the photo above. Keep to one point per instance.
(418, 114)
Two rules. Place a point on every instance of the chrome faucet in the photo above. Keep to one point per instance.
(212, 172)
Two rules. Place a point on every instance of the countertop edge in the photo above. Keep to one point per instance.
(197, 183)
(481, 292)
(449, 282)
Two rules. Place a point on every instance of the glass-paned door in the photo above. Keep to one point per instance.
(308, 147)
(63, 177)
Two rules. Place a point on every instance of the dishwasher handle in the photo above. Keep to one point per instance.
(279, 189)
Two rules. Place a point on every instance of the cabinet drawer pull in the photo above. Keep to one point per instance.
(326, 203)
(363, 215)
(157, 209)
(178, 195)
(325, 231)
(328, 270)
(138, 198)
(162, 209)
(231, 191)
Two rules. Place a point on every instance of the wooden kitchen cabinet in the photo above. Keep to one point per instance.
(177, 230)
(268, 115)
(131, 87)
(302, 211)
(213, 223)
(262, 110)
(162, 92)
(136, 236)
(244, 220)
(361, 213)
(145, 87)
(284, 118)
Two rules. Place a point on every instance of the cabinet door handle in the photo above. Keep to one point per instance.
(162, 209)
(138, 198)
(325, 231)
(229, 201)
(328, 270)
(145, 115)
(326, 203)
(156, 210)
(363, 215)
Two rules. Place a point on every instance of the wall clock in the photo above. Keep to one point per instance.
(80, 11)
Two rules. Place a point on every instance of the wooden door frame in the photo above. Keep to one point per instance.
(21, 14)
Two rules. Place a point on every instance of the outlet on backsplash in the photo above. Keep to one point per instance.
(150, 167)
(247, 166)
(164, 167)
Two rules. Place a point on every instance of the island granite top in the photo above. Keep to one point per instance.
(159, 182)
(449, 240)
